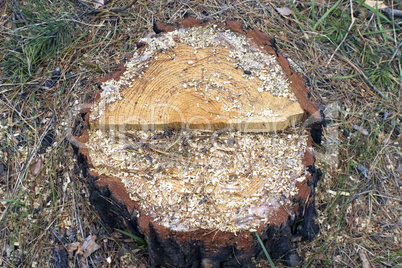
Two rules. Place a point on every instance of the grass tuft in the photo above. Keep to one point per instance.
(37, 35)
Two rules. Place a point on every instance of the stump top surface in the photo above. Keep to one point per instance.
(174, 126)
(192, 180)
(204, 77)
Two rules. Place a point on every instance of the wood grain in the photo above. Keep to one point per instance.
(199, 89)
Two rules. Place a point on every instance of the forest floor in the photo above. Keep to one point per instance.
(53, 53)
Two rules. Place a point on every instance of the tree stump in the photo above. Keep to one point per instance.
(198, 145)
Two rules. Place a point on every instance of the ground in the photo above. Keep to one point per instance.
(54, 53)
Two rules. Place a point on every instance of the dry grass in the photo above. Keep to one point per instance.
(356, 79)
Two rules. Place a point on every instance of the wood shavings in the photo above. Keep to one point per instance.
(189, 180)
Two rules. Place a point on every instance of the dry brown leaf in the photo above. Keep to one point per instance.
(36, 167)
(73, 246)
(284, 11)
(98, 3)
(376, 4)
(88, 246)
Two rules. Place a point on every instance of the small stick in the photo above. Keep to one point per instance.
(395, 53)
(118, 9)
(159, 151)
(391, 13)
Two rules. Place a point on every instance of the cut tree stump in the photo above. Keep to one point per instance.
(198, 144)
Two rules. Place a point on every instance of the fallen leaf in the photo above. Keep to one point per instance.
(35, 168)
(88, 246)
(376, 4)
(98, 3)
(73, 246)
(8, 250)
(284, 11)
(39, 71)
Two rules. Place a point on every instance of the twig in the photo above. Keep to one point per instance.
(110, 39)
(346, 35)
(119, 9)
(172, 17)
(365, 191)
(158, 151)
(395, 53)
(391, 13)
(15, 84)
(225, 8)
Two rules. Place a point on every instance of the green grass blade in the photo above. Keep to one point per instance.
(345, 76)
(377, 32)
(313, 9)
(16, 202)
(265, 251)
(296, 15)
(136, 238)
(326, 14)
